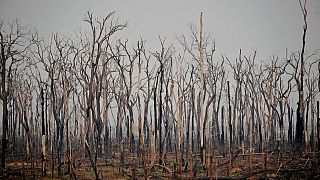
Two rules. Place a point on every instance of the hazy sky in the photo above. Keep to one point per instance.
(268, 26)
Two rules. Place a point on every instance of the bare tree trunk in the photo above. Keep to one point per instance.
(300, 120)
(4, 130)
(105, 119)
(155, 114)
(192, 111)
(202, 86)
(290, 111)
(222, 131)
(312, 136)
(318, 124)
(160, 113)
(4, 98)
(251, 119)
(179, 130)
(305, 132)
(229, 119)
(43, 138)
(131, 131)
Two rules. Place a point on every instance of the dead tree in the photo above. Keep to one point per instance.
(318, 124)
(253, 80)
(300, 119)
(38, 54)
(14, 47)
(200, 50)
(58, 72)
(25, 109)
(147, 94)
(118, 91)
(311, 85)
(105, 78)
(93, 50)
(179, 99)
(201, 97)
(125, 65)
(229, 120)
(163, 57)
(179, 124)
(239, 72)
(238, 100)
(216, 73)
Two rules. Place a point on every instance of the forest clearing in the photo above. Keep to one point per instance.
(95, 106)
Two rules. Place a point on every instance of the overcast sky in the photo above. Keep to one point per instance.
(268, 26)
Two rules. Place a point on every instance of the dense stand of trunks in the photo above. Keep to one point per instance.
(85, 97)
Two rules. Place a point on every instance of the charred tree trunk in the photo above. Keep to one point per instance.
(4, 129)
(4, 98)
(290, 111)
(146, 124)
(105, 120)
(155, 113)
(131, 122)
(318, 124)
(60, 145)
(300, 119)
(222, 131)
(230, 124)
(43, 137)
(160, 113)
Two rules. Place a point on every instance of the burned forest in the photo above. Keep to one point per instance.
(96, 105)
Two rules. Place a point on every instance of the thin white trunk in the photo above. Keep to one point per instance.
(201, 64)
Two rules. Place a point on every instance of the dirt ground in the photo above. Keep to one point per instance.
(272, 166)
